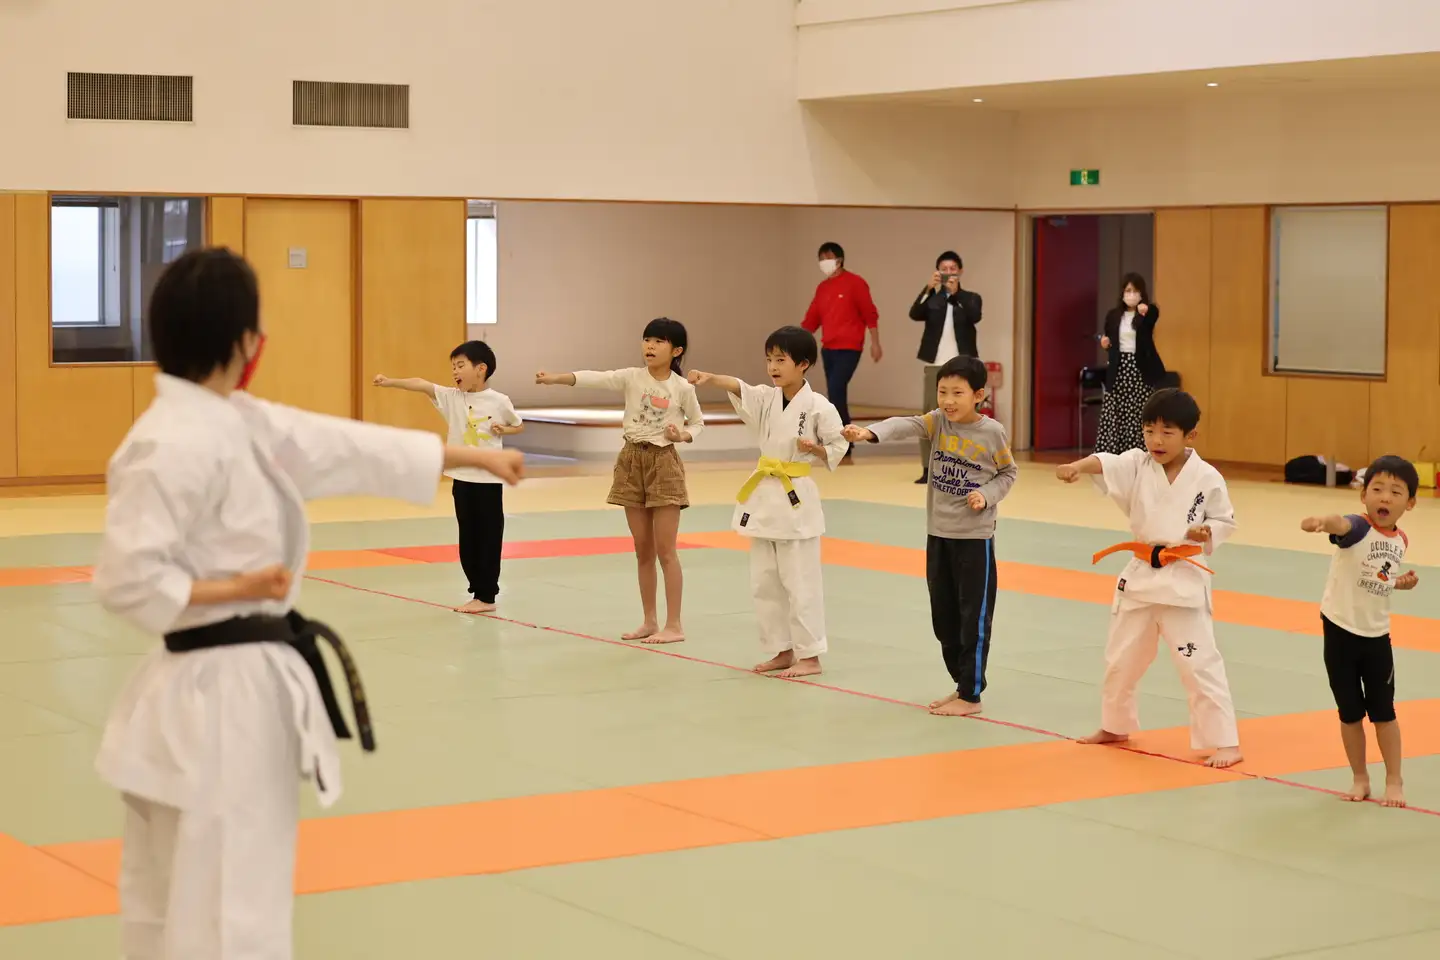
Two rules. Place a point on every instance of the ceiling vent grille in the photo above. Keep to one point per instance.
(376, 105)
(130, 96)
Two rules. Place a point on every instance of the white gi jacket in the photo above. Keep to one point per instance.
(205, 488)
(1161, 513)
(768, 512)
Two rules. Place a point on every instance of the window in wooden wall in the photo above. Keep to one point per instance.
(482, 265)
(1328, 280)
(105, 255)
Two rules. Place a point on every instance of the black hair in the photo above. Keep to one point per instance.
(832, 248)
(1397, 467)
(969, 369)
(952, 256)
(1136, 281)
(200, 310)
(1172, 408)
(796, 343)
(673, 333)
(477, 352)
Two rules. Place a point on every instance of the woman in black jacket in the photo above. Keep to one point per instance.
(1135, 367)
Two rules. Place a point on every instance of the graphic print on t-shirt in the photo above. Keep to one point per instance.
(476, 429)
(1381, 557)
(653, 408)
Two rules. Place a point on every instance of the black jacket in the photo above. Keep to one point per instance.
(929, 309)
(1147, 358)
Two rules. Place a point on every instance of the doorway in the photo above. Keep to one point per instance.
(1077, 265)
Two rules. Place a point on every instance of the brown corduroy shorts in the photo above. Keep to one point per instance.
(647, 475)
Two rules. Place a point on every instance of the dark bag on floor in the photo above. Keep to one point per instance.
(1311, 470)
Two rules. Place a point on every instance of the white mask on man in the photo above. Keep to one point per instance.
(1132, 299)
(828, 267)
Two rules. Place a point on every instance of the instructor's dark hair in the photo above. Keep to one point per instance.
(673, 333)
(952, 256)
(832, 248)
(1397, 467)
(200, 310)
(797, 343)
(1173, 408)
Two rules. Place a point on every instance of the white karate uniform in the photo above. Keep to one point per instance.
(1172, 602)
(786, 578)
(207, 746)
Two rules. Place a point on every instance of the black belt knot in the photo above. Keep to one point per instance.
(303, 635)
(1155, 556)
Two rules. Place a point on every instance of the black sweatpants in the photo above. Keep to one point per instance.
(480, 515)
(961, 576)
(1361, 672)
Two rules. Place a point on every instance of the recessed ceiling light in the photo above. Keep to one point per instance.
(979, 100)
(1212, 84)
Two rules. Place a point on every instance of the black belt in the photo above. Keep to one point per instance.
(301, 634)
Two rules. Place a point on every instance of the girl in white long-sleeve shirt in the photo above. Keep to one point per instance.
(205, 543)
(661, 410)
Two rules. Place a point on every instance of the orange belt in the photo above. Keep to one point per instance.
(1157, 556)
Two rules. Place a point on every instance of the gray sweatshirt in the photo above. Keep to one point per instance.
(963, 457)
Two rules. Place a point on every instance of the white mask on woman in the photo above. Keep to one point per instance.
(1132, 299)
(828, 267)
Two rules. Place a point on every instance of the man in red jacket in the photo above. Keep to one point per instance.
(842, 311)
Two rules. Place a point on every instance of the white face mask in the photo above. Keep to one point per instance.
(828, 267)
(1132, 299)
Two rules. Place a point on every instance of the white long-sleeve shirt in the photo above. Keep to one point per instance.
(650, 404)
(206, 487)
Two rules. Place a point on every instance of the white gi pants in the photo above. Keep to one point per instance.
(1189, 632)
(786, 580)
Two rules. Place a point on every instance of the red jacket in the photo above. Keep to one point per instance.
(842, 311)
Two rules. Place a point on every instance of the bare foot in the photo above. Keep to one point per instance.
(944, 700)
(1105, 736)
(781, 661)
(1225, 757)
(1359, 791)
(808, 667)
(955, 707)
(668, 635)
(1394, 793)
(646, 630)
(476, 606)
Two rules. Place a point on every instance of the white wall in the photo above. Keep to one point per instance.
(628, 99)
(579, 281)
(866, 47)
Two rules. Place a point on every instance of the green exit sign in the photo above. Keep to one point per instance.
(1084, 178)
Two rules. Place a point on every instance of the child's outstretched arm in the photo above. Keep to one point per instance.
(728, 384)
(412, 384)
(1335, 525)
(1089, 467)
(555, 379)
(895, 428)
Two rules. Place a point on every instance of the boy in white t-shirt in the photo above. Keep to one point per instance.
(478, 417)
(1355, 615)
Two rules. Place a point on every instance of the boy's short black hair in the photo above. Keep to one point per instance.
(202, 306)
(477, 352)
(969, 369)
(1173, 408)
(796, 343)
(832, 248)
(1397, 467)
(951, 256)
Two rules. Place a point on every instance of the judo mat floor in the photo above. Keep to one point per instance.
(543, 790)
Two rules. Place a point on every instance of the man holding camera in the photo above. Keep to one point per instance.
(950, 315)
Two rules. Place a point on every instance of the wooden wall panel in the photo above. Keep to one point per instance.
(9, 464)
(1182, 288)
(307, 312)
(227, 223)
(1407, 404)
(1245, 419)
(1328, 417)
(412, 303)
(69, 419)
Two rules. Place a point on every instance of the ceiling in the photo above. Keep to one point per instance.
(1401, 73)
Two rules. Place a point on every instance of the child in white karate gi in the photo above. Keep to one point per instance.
(205, 543)
(1179, 509)
(778, 508)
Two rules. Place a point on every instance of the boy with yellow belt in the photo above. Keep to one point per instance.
(778, 507)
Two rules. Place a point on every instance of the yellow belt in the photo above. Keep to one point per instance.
(779, 469)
